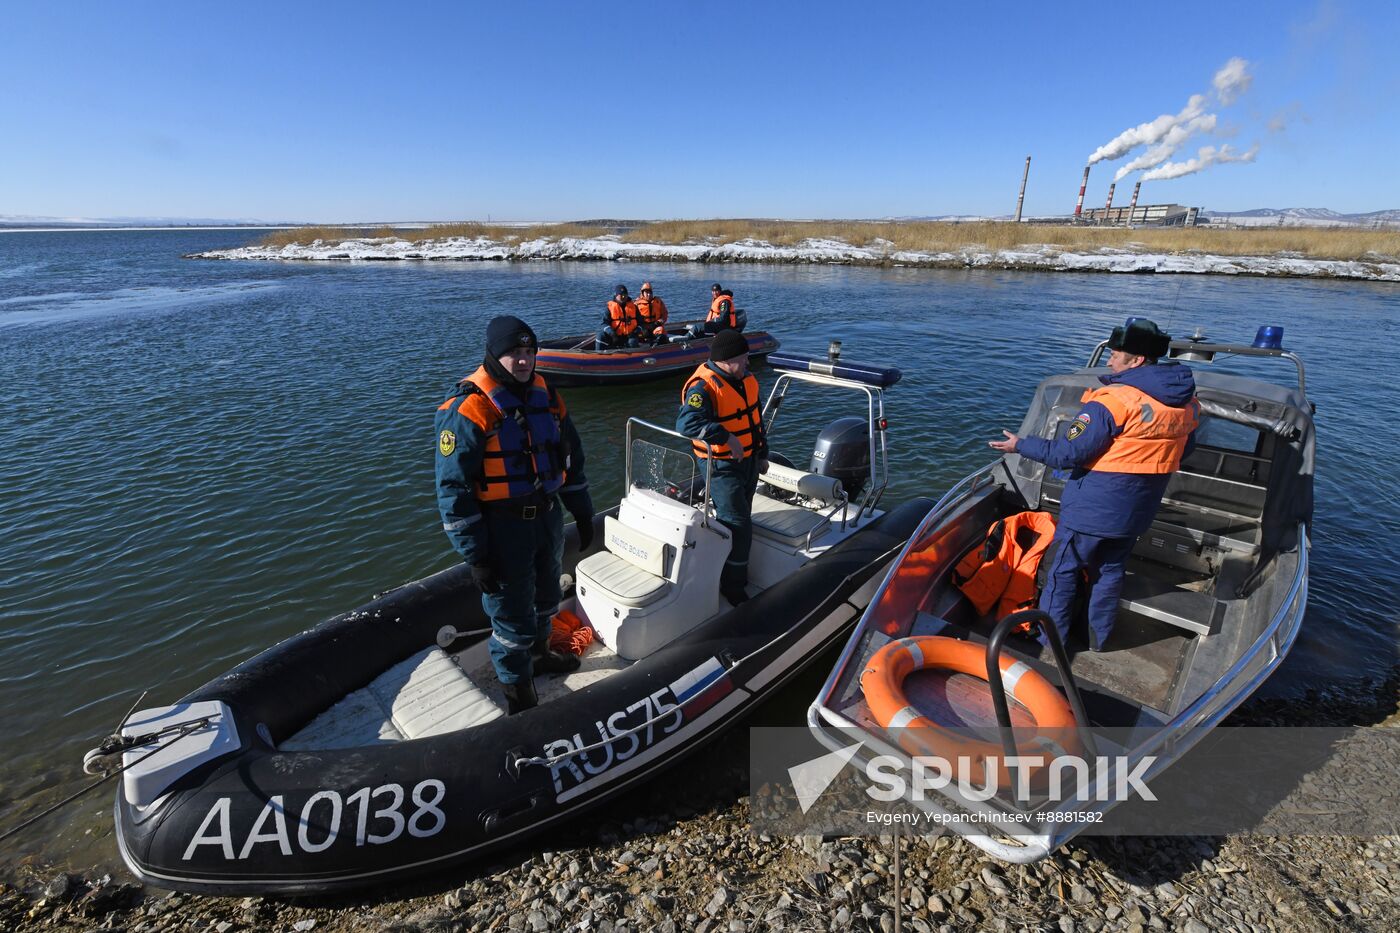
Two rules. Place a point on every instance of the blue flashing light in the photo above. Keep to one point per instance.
(1270, 337)
(878, 376)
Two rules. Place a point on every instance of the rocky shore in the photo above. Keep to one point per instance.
(681, 856)
(817, 251)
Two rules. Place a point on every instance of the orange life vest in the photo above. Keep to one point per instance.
(525, 452)
(1154, 435)
(719, 312)
(652, 315)
(1001, 570)
(622, 318)
(737, 414)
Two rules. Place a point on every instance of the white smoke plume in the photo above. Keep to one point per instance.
(1147, 134)
(1161, 152)
(1167, 133)
(1232, 80)
(1206, 156)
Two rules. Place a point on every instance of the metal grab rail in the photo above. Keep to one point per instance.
(1227, 349)
(1057, 650)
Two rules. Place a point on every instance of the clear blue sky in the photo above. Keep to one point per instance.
(537, 111)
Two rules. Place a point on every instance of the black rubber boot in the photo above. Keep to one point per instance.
(520, 696)
(550, 661)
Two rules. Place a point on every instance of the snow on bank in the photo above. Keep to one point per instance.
(819, 251)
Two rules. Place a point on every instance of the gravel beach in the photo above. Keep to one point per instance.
(681, 856)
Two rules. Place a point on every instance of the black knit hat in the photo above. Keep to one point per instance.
(505, 333)
(1140, 337)
(727, 345)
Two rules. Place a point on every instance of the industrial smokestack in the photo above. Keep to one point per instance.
(1136, 188)
(1079, 205)
(1020, 198)
(1108, 205)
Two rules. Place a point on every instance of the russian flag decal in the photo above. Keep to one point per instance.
(702, 687)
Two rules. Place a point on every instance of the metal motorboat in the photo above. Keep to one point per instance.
(1213, 600)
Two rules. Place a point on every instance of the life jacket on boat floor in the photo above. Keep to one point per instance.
(1002, 570)
(882, 682)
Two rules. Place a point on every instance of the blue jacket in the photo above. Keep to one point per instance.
(1110, 505)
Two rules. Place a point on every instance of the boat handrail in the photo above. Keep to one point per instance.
(1202, 351)
(997, 642)
(706, 513)
(875, 424)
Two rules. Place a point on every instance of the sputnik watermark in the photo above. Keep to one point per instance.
(1121, 777)
(1031, 778)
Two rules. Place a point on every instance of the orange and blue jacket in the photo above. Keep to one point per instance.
(1121, 449)
(621, 318)
(494, 445)
(722, 309)
(652, 315)
(713, 406)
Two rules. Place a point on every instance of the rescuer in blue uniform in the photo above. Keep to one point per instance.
(1120, 451)
(508, 457)
(719, 404)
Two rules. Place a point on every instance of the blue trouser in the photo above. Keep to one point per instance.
(528, 557)
(1089, 558)
(732, 487)
(607, 337)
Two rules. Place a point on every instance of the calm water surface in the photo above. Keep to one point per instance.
(198, 459)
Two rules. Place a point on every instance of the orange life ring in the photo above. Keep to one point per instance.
(882, 682)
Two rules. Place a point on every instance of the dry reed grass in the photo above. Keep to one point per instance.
(934, 237)
(918, 236)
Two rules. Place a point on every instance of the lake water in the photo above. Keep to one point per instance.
(198, 459)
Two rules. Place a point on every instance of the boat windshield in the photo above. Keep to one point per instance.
(669, 472)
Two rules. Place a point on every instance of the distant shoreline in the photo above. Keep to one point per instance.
(1130, 258)
(131, 229)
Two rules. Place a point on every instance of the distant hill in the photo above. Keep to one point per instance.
(1303, 217)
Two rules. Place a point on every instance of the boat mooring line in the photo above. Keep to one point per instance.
(188, 728)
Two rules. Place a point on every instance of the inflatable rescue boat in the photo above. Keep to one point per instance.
(376, 745)
(572, 361)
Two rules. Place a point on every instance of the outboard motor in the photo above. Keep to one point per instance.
(843, 452)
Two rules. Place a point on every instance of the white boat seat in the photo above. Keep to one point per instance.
(783, 522)
(621, 580)
(426, 694)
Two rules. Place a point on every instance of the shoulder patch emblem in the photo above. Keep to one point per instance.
(1076, 428)
(695, 399)
(447, 443)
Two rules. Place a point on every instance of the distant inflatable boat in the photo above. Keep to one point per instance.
(572, 361)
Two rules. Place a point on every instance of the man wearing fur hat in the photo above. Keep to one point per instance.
(719, 405)
(1120, 451)
(509, 461)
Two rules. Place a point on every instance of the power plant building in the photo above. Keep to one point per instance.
(1151, 215)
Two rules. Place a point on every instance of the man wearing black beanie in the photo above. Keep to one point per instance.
(719, 407)
(508, 456)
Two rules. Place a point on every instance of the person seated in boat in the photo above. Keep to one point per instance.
(719, 405)
(721, 316)
(1120, 452)
(509, 461)
(651, 316)
(619, 322)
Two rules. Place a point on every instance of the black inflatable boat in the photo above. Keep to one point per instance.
(376, 745)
